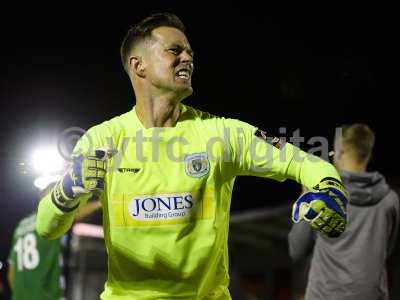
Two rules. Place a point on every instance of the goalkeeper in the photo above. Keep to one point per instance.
(165, 173)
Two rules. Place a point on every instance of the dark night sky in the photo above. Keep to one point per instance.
(311, 68)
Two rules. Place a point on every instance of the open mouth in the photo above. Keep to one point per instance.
(183, 74)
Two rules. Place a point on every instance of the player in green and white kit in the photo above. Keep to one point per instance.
(35, 264)
(166, 179)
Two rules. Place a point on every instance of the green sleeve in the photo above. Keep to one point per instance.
(309, 170)
(257, 156)
(291, 162)
(254, 156)
(52, 222)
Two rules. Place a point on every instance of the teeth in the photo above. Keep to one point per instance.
(183, 74)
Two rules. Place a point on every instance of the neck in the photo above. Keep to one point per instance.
(158, 112)
(350, 165)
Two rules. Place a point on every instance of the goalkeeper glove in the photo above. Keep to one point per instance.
(85, 177)
(324, 209)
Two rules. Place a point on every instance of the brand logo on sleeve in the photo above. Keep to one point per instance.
(128, 170)
(197, 165)
(161, 207)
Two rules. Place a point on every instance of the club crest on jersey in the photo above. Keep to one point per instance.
(197, 164)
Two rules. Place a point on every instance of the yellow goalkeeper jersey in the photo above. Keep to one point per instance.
(167, 199)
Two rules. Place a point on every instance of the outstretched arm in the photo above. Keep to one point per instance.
(324, 206)
(57, 210)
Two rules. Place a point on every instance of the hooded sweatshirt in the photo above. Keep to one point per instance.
(352, 266)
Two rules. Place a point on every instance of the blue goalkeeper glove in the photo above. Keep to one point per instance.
(85, 177)
(324, 209)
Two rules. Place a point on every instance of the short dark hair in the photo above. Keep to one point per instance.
(359, 139)
(143, 30)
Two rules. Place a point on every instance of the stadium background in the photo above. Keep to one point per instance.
(309, 68)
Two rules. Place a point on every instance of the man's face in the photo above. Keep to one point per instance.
(169, 62)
